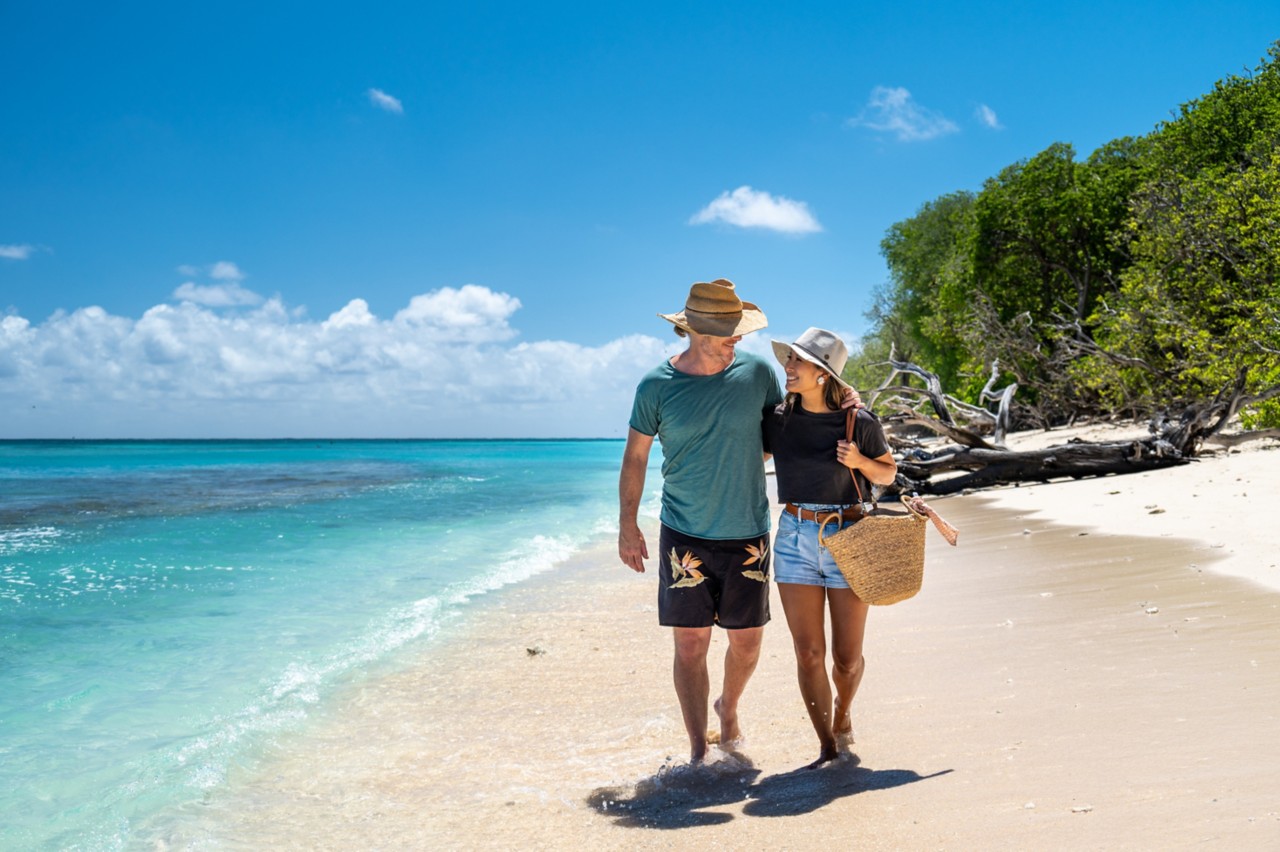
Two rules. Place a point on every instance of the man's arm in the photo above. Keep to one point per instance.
(632, 549)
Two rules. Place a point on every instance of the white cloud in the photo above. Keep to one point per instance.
(382, 100)
(18, 252)
(221, 295)
(445, 365)
(354, 314)
(217, 295)
(892, 110)
(470, 313)
(988, 117)
(749, 208)
(225, 270)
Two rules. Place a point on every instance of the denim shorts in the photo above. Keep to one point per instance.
(799, 558)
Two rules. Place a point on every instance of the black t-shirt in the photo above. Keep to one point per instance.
(804, 453)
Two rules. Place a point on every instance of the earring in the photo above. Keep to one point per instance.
(822, 381)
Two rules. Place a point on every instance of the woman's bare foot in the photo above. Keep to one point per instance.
(828, 754)
(844, 734)
(730, 734)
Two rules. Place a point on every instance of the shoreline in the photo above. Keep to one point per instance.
(1027, 697)
(1212, 498)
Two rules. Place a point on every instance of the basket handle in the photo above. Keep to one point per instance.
(922, 510)
(822, 526)
(909, 502)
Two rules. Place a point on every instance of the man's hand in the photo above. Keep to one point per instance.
(632, 549)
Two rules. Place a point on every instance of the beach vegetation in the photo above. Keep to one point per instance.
(1143, 277)
(929, 255)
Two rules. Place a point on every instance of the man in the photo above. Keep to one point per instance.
(705, 405)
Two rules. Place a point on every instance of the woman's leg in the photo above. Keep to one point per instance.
(804, 606)
(848, 625)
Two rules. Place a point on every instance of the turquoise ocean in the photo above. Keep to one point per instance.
(169, 609)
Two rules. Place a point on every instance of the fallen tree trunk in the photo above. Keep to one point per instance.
(1075, 460)
(973, 462)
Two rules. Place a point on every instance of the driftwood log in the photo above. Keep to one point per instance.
(982, 468)
(973, 461)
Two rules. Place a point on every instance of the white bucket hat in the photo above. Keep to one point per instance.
(817, 346)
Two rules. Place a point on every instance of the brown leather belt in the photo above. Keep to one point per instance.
(849, 513)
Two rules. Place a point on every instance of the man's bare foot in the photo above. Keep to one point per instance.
(730, 734)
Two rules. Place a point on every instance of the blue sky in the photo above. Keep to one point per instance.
(436, 220)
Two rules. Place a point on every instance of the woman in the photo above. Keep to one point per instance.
(805, 435)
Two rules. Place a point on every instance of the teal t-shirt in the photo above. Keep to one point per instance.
(712, 453)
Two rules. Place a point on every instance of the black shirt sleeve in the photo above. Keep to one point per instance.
(868, 434)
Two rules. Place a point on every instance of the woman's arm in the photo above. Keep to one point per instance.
(880, 471)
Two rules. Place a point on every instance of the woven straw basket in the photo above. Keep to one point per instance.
(881, 556)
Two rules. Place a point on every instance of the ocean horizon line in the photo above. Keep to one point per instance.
(296, 440)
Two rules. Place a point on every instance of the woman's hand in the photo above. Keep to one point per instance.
(849, 455)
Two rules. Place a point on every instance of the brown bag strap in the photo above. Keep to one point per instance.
(949, 532)
(850, 415)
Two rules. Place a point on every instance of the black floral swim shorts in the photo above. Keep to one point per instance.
(702, 582)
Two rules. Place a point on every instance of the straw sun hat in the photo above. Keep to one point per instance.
(817, 346)
(713, 308)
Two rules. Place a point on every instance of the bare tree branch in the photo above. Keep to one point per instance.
(1003, 397)
(964, 437)
(933, 385)
(1235, 439)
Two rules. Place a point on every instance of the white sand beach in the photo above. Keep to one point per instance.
(1082, 672)
(1219, 499)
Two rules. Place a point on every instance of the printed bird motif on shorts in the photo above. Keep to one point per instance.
(685, 570)
(757, 553)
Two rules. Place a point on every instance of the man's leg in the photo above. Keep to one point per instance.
(739, 662)
(693, 685)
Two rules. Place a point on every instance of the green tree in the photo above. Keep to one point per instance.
(1043, 252)
(1197, 309)
(923, 253)
(1146, 276)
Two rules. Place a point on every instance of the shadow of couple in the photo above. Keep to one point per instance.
(681, 796)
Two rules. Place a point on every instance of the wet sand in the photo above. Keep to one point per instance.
(1052, 686)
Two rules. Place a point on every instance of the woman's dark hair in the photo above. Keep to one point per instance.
(832, 395)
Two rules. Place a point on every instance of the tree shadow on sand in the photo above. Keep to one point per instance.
(678, 797)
